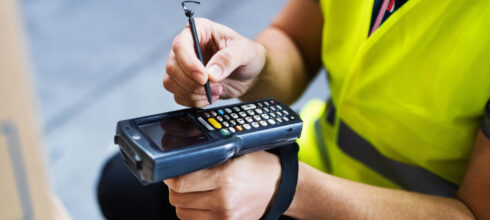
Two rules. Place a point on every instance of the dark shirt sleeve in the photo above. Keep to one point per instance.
(485, 125)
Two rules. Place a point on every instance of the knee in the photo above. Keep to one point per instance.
(122, 196)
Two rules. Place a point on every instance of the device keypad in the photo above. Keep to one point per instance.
(214, 123)
(249, 119)
(225, 131)
(245, 117)
(220, 118)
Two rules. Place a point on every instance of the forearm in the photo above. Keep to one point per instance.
(322, 196)
(284, 75)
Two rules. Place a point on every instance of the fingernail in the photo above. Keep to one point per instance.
(214, 71)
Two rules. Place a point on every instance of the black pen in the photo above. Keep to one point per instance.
(189, 13)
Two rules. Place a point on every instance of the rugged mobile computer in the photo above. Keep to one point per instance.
(166, 145)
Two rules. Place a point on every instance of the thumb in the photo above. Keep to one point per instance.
(223, 63)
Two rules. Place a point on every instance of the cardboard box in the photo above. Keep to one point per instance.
(24, 190)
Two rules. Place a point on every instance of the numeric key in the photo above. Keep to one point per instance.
(249, 119)
(247, 126)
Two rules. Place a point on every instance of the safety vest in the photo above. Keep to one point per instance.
(406, 102)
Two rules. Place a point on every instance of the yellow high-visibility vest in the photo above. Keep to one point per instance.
(406, 101)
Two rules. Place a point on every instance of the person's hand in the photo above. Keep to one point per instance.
(233, 62)
(241, 188)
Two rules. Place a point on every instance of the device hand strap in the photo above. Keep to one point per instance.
(289, 178)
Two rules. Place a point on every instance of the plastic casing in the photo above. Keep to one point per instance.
(150, 164)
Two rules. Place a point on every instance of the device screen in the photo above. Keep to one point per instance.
(173, 133)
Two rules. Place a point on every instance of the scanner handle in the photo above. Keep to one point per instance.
(203, 158)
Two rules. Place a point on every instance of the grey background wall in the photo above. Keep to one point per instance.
(96, 62)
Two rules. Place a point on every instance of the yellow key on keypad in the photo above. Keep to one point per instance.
(214, 123)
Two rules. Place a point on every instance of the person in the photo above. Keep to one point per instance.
(402, 135)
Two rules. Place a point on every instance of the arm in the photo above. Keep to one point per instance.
(222, 191)
(321, 196)
(475, 189)
(293, 52)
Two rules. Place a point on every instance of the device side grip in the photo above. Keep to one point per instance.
(195, 160)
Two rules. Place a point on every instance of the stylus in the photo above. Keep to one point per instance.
(189, 13)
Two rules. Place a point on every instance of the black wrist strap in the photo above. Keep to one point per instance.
(289, 178)
(485, 125)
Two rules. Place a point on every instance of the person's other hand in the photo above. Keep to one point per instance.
(233, 61)
(241, 188)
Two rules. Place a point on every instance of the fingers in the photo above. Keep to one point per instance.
(243, 53)
(185, 55)
(193, 182)
(214, 202)
(231, 51)
(193, 93)
(186, 90)
(174, 87)
(227, 51)
(224, 62)
(175, 71)
(184, 214)
(195, 103)
(221, 192)
(194, 200)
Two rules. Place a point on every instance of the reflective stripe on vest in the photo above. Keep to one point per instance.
(407, 176)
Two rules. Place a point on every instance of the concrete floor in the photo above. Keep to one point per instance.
(97, 62)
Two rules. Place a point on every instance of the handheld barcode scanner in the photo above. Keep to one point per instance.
(170, 144)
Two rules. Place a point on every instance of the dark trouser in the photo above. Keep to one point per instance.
(121, 195)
